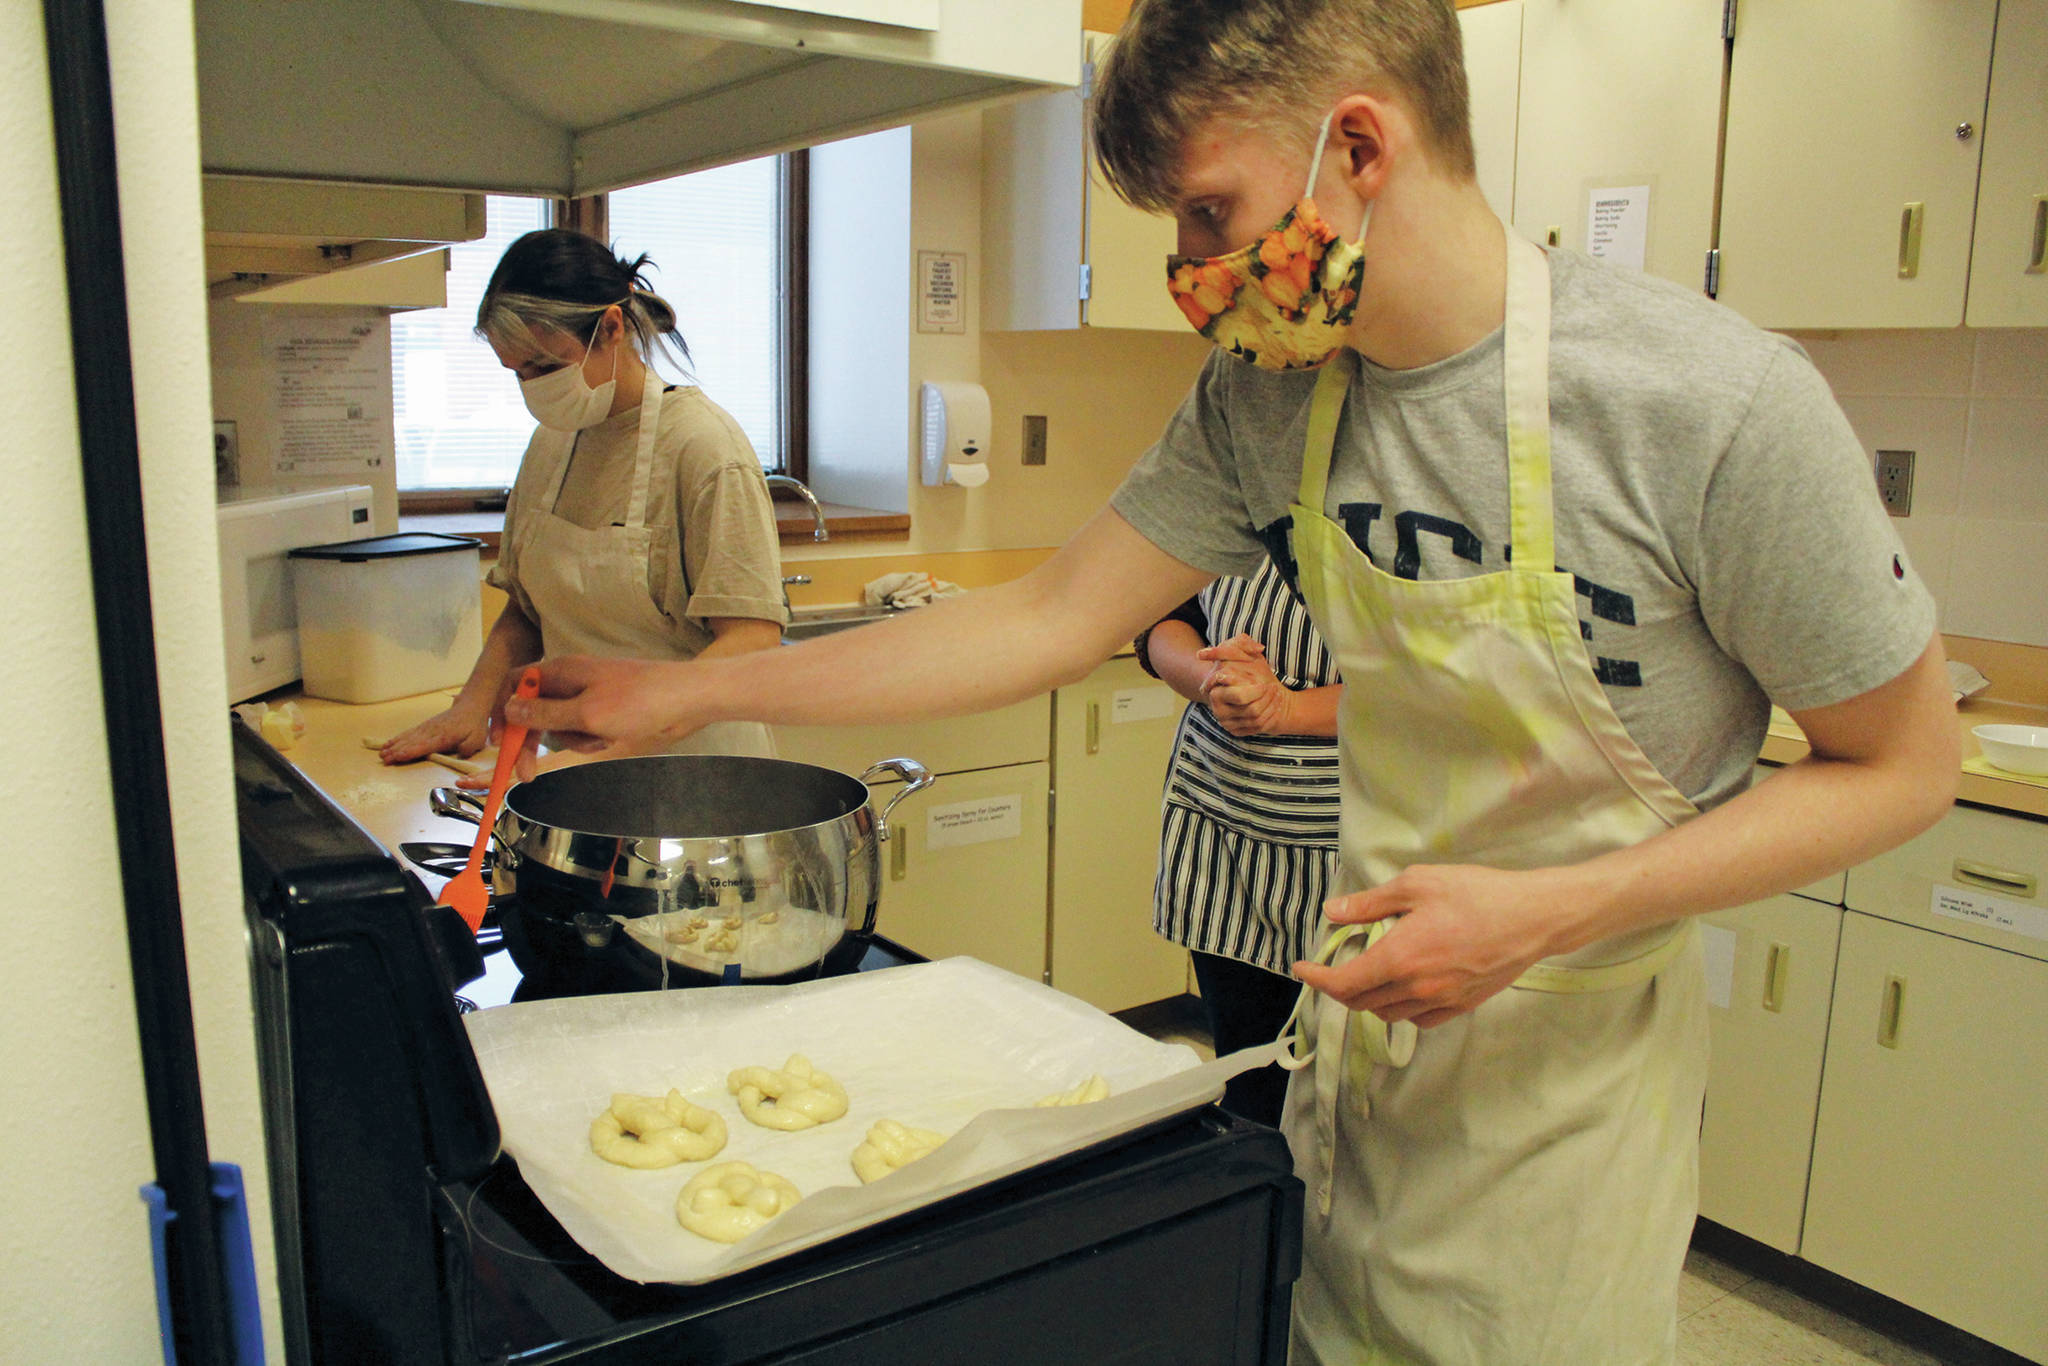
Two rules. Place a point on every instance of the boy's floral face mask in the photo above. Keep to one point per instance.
(1286, 301)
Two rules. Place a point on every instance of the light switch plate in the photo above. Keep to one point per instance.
(1895, 481)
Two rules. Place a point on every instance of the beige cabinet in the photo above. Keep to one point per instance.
(2009, 255)
(1112, 733)
(1620, 94)
(964, 869)
(1851, 165)
(1493, 73)
(1768, 1015)
(1929, 1182)
(1059, 249)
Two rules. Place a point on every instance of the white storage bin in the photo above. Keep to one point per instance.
(389, 616)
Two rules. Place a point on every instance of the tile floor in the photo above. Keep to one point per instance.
(1727, 1317)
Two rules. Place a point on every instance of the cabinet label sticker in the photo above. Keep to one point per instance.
(1718, 953)
(1142, 704)
(1618, 224)
(975, 822)
(1999, 912)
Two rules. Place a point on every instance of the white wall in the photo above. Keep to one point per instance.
(1106, 394)
(244, 384)
(73, 1130)
(1973, 406)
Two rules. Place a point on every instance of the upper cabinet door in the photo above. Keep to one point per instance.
(1493, 73)
(2009, 261)
(1851, 167)
(1620, 94)
(1126, 249)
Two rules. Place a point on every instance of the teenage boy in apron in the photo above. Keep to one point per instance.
(1569, 531)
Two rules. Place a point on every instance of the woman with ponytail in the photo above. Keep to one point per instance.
(640, 525)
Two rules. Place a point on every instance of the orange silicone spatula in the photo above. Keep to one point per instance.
(466, 891)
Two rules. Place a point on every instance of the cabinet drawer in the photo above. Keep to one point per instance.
(1996, 859)
(1763, 1084)
(1017, 734)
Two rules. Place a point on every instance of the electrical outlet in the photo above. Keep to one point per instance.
(1895, 481)
(227, 456)
(1034, 440)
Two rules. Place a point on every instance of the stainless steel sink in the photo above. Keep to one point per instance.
(807, 623)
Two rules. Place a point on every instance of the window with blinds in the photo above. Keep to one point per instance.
(718, 249)
(458, 416)
(717, 238)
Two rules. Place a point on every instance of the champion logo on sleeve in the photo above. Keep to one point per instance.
(1898, 569)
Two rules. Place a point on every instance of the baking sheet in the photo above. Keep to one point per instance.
(954, 1046)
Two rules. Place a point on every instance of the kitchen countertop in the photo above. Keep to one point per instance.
(1786, 744)
(389, 802)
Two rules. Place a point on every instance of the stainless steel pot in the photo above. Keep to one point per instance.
(685, 869)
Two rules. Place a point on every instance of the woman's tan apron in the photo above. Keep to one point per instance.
(594, 588)
(1518, 1184)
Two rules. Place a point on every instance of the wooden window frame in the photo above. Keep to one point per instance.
(591, 214)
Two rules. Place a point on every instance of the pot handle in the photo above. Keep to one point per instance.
(915, 776)
(457, 804)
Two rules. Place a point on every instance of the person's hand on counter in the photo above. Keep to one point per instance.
(455, 731)
(465, 727)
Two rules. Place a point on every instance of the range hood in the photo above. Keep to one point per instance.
(574, 97)
(263, 232)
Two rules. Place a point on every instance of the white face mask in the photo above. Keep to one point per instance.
(565, 401)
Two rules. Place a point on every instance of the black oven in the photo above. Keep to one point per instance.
(405, 1237)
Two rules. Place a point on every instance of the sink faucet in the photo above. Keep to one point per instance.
(783, 481)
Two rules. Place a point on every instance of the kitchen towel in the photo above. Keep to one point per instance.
(908, 589)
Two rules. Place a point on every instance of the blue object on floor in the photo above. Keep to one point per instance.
(238, 1257)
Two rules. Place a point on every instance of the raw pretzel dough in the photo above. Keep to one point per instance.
(1089, 1091)
(890, 1145)
(728, 1201)
(646, 1132)
(797, 1097)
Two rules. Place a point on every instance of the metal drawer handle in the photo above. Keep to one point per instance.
(1094, 727)
(1777, 965)
(1891, 1011)
(1909, 239)
(2037, 259)
(1992, 879)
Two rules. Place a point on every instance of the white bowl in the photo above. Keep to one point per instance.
(2018, 749)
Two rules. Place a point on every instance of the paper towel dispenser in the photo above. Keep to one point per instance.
(956, 433)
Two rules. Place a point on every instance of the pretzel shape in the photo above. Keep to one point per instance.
(729, 1200)
(796, 1097)
(890, 1145)
(1089, 1091)
(647, 1133)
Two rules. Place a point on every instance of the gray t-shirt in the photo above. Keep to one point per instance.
(1712, 503)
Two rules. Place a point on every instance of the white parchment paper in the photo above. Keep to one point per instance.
(955, 1046)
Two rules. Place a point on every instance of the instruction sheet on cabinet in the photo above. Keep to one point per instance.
(330, 394)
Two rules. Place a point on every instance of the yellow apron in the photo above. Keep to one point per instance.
(592, 587)
(1517, 1184)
